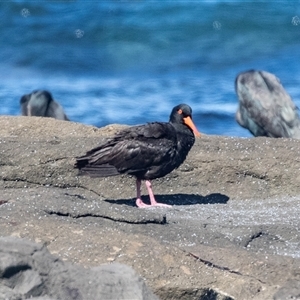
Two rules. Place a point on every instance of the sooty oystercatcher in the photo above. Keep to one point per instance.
(145, 151)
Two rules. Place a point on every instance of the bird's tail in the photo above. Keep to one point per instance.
(95, 170)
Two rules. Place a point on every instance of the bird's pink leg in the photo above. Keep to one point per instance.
(153, 202)
(139, 202)
(151, 195)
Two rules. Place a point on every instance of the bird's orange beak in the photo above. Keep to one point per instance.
(188, 121)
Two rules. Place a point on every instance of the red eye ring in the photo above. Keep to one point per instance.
(179, 111)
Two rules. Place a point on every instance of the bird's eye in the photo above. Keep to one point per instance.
(179, 111)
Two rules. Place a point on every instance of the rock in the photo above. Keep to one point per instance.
(265, 108)
(232, 233)
(291, 290)
(29, 270)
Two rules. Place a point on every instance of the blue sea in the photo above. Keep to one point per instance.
(130, 62)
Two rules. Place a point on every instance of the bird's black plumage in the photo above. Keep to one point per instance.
(265, 108)
(146, 151)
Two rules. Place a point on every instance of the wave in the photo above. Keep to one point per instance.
(128, 62)
(110, 36)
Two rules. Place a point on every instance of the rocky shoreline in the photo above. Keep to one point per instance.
(232, 233)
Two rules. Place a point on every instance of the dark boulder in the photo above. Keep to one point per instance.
(28, 270)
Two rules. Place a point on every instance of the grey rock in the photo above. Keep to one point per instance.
(265, 108)
(290, 291)
(28, 270)
(40, 103)
(232, 233)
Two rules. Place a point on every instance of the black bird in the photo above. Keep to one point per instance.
(41, 104)
(145, 151)
(265, 108)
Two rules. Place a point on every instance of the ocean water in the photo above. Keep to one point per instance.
(130, 62)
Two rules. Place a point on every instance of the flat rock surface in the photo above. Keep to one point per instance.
(232, 231)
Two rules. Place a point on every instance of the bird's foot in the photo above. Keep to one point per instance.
(161, 205)
(141, 204)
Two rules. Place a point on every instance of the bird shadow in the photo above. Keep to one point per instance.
(178, 199)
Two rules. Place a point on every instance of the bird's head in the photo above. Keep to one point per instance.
(182, 114)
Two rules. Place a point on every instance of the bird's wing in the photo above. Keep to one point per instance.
(135, 149)
(137, 156)
(141, 147)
